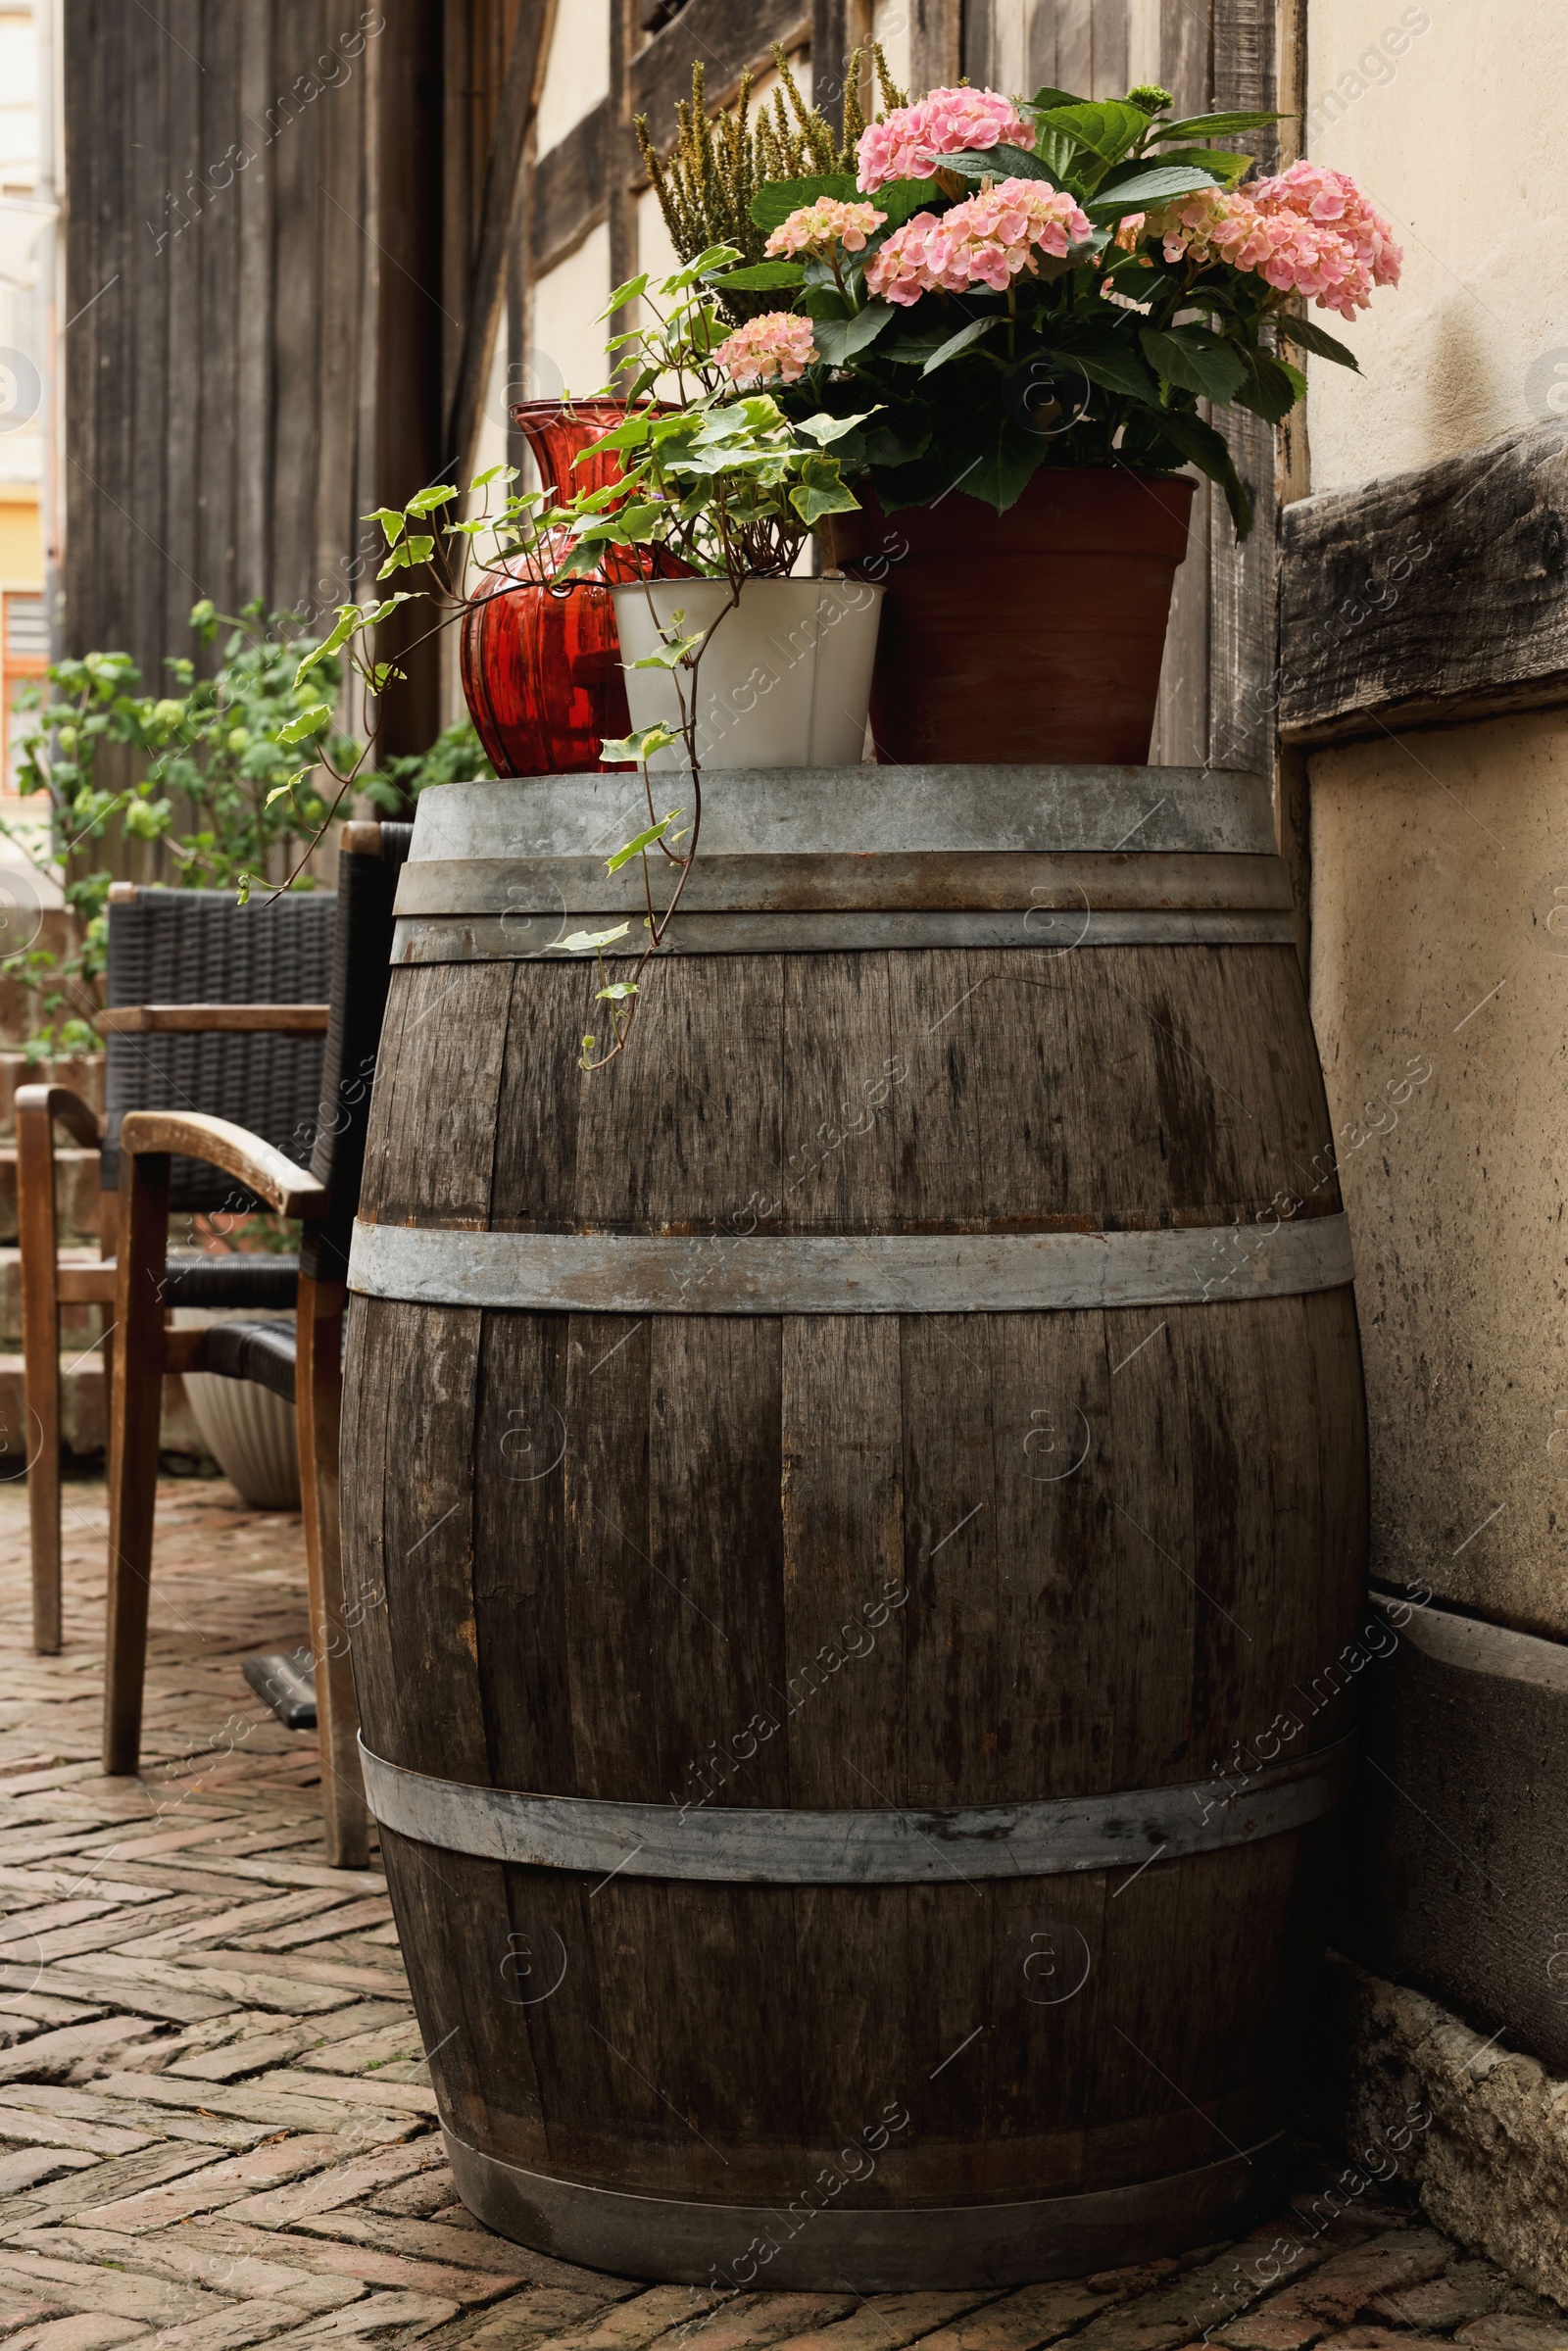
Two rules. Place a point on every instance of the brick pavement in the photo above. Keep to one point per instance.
(216, 2129)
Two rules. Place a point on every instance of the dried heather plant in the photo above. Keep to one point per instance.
(705, 184)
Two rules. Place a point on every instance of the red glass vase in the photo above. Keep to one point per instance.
(541, 666)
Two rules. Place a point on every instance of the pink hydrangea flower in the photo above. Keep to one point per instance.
(777, 346)
(985, 241)
(910, 143)
(1333, 200)
(816, 226)
(1309, 231)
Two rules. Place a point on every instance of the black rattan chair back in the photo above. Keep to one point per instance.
(366, 884)
(199, 946)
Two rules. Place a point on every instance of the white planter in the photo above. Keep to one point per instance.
(252, 1436)
(785, 677)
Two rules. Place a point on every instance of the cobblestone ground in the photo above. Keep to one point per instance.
(215, 2124)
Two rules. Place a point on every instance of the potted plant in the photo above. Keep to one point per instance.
(738, 662)
(1034, 300)
(697, 507)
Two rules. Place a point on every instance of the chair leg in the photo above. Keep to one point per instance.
(318, 1405)
(40, 1367)
(135, 1407)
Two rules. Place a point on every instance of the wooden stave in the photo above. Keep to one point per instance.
(662, 2170)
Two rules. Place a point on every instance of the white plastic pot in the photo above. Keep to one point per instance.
(784, 678)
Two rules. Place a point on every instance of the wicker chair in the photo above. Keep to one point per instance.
(213, 1008)
(301, 1361)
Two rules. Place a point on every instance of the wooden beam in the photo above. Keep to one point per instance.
(569, 188)
(1430, 595)
(727, 37)
(571, 182)
(518, 96)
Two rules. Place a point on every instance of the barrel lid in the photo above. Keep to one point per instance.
(867, 809)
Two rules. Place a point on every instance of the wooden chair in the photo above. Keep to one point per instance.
(302, 1361)
(254, 1054)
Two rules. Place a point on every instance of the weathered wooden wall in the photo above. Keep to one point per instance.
(219, 438)
(288, 220)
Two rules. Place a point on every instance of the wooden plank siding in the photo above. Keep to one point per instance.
(288, 228)
(215, 266)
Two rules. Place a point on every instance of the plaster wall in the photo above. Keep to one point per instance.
(1436, 855)
(1446, 113)
(1440, 946)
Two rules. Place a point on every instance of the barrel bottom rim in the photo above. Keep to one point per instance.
(628, 2233)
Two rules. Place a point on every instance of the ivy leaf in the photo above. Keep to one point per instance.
(635, 849)
(670, 654)
(412, 551)
(588, 942)
(824, 429)
(1196, 360)
(1314, 338)
(776, 199)
(641, 743)
(628, 528)
(491, 474)
(616, 993)
(630, 435)
(711, 258)
(391, 521)
(839, 339)
(350, 617)
(633, 289)
(429, 501)
(822, 490)
(312, 721)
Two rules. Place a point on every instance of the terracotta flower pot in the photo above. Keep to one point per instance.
(541, 666)
(1035, 635)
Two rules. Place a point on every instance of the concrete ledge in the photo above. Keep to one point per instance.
(1456, 1841)
(1479, 2131)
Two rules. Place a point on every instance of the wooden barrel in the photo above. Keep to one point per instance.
(851, 1517)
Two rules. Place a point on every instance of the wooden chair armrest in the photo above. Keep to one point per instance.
(284, 1187)
(50, 1103)
(204, 1020)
